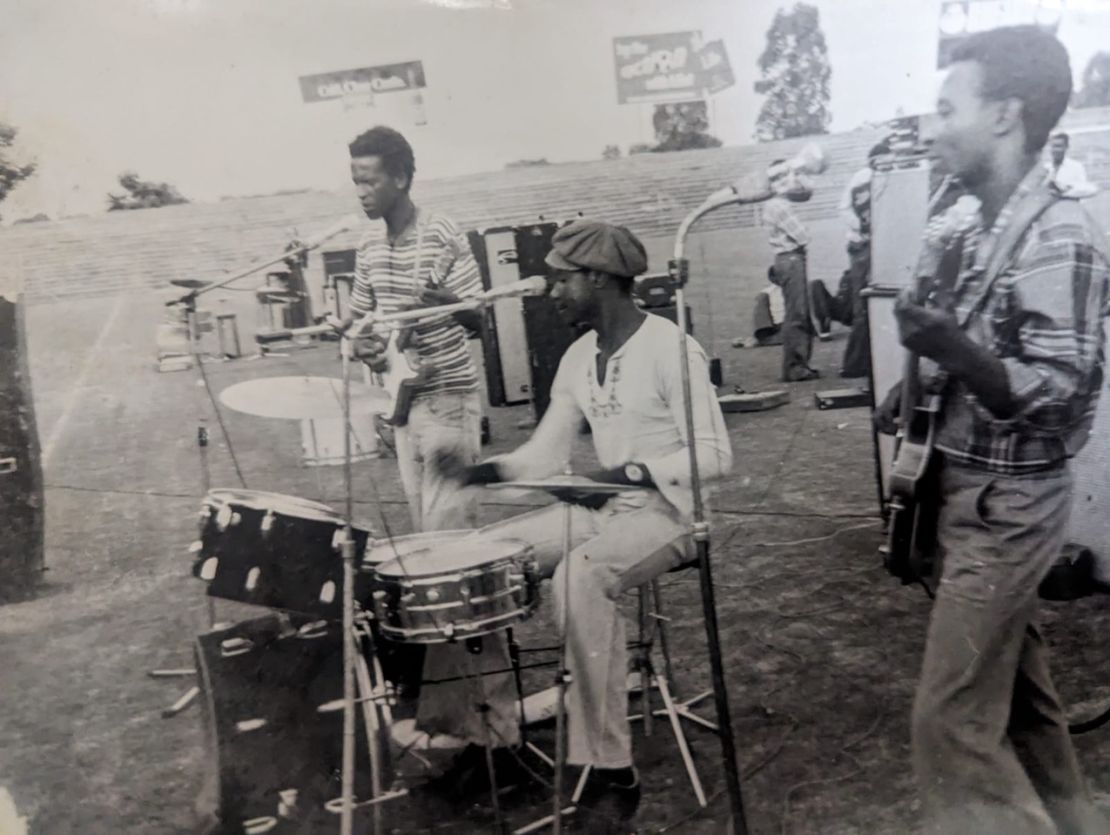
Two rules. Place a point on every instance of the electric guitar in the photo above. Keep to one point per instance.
(405, 371)
(913, 494)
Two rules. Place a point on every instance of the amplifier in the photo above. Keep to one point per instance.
(504, 343)
(899, 206)
(525, 338)
(21, 489)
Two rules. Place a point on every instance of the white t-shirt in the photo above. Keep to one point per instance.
(635, 415)
(1071, 178)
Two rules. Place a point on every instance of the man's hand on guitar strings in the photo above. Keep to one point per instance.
(371, 350)
(434, 296)
(926, 331)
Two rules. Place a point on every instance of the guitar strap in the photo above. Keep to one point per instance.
(416, 285)
(1025, 215)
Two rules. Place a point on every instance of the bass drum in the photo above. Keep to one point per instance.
(273, 756)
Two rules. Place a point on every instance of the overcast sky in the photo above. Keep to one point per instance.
(204, 93)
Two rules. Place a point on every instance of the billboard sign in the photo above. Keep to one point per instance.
(713, 65)
(657, 68)
(387, 78)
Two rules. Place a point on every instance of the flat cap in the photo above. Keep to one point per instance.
(595, 245)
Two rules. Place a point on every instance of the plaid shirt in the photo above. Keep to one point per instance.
(1042, 318)
(787, 234)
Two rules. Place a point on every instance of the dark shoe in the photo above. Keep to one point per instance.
(609, 801)
(466, 780)
(803, 375)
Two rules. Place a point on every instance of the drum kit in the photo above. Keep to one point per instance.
(285, 553)
(386, 598)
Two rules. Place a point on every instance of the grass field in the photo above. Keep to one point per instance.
(821, 647)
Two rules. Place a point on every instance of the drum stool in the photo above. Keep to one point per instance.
(652, 625)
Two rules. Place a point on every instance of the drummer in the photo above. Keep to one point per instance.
(624, 378)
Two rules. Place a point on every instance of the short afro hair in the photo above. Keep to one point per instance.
(1025, 63)
(388, 145)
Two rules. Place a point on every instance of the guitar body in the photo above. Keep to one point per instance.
(405, 372)
(911, 537)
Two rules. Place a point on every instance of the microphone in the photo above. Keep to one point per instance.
(533, 285)
(757, 187)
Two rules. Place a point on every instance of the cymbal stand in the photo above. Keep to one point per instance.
(193, 335)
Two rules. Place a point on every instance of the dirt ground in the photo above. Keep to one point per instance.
(821, 647)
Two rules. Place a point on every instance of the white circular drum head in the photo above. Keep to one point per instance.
(459, 555)
(277, 502)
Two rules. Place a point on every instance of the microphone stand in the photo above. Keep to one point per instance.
(190, 297)
(679, 271)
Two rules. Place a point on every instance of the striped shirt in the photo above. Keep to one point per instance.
(387, 280)
(787, 234)
(1043, 318)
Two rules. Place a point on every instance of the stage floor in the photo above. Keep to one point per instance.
(821, 647)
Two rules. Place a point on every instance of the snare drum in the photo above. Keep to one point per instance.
(274, 550)
(452, 585)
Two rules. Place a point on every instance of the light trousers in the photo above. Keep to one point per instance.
(634, 538)
(991, 749)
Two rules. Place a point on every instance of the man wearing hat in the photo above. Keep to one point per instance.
(622, 377)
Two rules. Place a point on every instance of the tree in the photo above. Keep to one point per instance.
(11, 173)
(611, 152)
(683, 126)
(1095, 91)
(142, 194)
(796, 73)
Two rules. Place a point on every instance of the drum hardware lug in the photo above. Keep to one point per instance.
(253, 575)
(209, 568)
(408, 597)
(256, 826)
(196, 546)
(449, 632)
(380, 595)
(287, 804)
(247, 725)
(432, 596)
(235, 646)
(267, 522)
(463, 592)
(316, 629)
(327, 592)
(337, 540)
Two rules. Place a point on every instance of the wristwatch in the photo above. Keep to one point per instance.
(634, 473)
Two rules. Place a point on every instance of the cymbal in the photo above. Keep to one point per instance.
(303, 398)
(574, 485)
(189, 283)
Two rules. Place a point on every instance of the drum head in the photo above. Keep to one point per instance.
(383, 550)
(448, 557)
(277, 502)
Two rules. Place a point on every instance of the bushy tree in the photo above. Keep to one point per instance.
(142, 194)
(1094, 91)
(795, 77)
(611, 152)
(682, 126)
(11, 173)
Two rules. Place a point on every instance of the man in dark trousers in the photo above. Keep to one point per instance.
(1016, 354)
(788, 238)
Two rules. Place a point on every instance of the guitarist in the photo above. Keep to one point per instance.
(1017, 358)
(417, 258)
